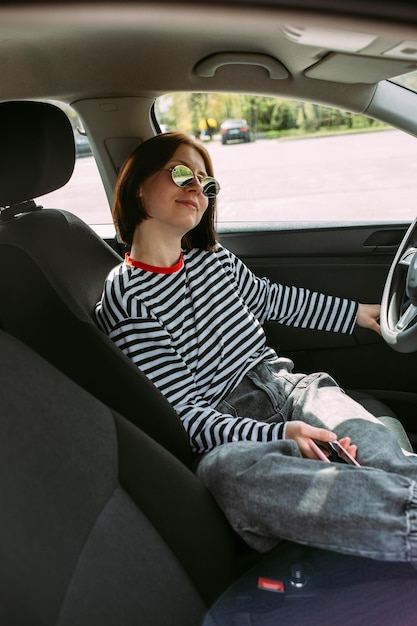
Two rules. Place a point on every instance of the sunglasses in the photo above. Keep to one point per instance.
(184, 177)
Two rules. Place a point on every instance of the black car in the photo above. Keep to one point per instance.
(235, 130)
(82, 145)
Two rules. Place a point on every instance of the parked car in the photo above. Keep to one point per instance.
(235, 130)
(82, 145)
(102, 518)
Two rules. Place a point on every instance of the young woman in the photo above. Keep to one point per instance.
(189, 314)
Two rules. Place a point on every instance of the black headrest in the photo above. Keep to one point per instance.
(37, 152)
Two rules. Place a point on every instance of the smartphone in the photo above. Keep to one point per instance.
(332, 450)
(343, 453)
(317, 450)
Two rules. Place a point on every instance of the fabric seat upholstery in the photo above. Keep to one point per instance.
(99, 524)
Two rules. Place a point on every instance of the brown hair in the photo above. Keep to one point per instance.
(147, 158)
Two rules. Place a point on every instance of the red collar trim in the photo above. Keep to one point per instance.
(154, 268)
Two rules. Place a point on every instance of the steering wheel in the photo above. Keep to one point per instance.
(399, 300)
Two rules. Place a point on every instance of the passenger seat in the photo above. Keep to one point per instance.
(99, 525)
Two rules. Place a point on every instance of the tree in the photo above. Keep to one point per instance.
(192, 112)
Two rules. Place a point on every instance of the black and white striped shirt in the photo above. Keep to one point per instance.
(196, 329)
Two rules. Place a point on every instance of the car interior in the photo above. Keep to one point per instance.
(102, 518)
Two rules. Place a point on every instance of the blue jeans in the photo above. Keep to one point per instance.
(269, 492)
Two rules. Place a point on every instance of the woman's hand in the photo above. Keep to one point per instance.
(301, 432)
(368, 316)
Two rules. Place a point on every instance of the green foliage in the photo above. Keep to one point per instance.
(195, 112)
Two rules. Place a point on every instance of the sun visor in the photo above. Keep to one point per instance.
(350, 68)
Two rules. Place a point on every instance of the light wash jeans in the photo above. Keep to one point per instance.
(269, 492)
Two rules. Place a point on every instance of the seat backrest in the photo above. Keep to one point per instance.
(38, 150)
(99, 524)
(53, 267)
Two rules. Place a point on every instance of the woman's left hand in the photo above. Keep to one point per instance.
(368, 316)
(350, 447)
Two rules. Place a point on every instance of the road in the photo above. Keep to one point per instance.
(351, 177)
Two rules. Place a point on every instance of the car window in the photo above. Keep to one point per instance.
(84, 194)
(297, 161)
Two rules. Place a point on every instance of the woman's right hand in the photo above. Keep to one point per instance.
(301, 432)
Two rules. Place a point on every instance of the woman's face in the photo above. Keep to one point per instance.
(172, 209)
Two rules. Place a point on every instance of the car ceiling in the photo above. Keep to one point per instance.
(117, 50)
(110, 60)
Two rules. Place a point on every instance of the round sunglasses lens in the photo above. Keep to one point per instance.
(182, 176)
(210, 187)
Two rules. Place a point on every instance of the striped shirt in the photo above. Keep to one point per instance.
(196, 329)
